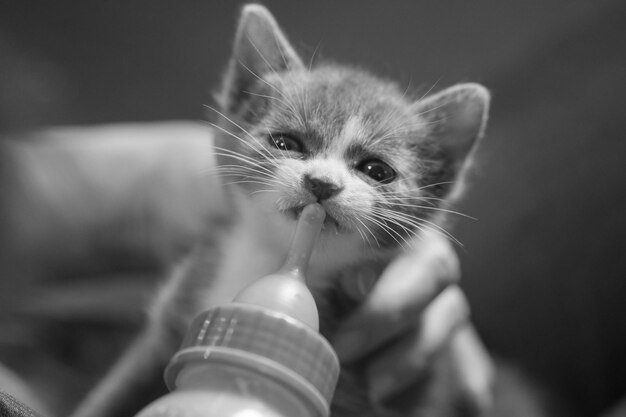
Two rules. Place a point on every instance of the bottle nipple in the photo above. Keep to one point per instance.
(286, 291)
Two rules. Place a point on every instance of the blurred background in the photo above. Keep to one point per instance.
(544, 264)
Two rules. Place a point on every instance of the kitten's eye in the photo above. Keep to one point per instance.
(285, 142)
(377, 170)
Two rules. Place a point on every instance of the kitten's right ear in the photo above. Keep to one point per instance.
(260, 47)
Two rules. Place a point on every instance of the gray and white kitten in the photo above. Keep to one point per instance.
(382, 164)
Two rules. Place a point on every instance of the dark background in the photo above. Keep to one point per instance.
(544, 264)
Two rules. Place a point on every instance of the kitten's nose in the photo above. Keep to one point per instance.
(322, 189)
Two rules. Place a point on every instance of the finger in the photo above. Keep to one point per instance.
(394, 304)
(474, 369)
(402, 364)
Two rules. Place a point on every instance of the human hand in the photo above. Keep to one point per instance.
(410, 318)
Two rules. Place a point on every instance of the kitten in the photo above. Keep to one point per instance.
(384, 167)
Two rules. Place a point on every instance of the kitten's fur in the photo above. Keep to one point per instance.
(335, 119)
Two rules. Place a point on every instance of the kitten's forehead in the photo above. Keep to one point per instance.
(336, 105)
(354, 127)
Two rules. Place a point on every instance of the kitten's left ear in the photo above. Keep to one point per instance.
(458, 117)
(260, 47)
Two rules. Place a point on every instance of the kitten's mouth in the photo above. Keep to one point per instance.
(331, 225)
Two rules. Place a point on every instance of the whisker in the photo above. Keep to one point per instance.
(271, 67)
(262, 191)
(313, 56)
(247, 182)
(285, 100)
(386, 229)
(432, 208)
(408, 86)
(419, 223)
(242, 170)
(243, 141)
(285, 104)
(244, 159)
(273, 70)
(250, 160)
(429, 90)
(368, 230)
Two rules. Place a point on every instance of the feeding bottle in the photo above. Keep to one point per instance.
(262, 354)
